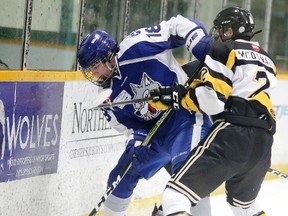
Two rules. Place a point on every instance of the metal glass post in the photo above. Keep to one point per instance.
(247, 5)
(126, 18)
(81, 28)
(267, 22)
(196, 9)
(163, 10)
(27, 34)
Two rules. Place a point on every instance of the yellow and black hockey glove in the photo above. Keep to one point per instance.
(165, 97)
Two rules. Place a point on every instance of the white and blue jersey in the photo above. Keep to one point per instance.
(145, 62)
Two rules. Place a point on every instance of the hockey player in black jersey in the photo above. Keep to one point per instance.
(233, 87)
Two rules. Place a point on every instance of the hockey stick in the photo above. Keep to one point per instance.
(278, 173)
(104, 94)
(151, 133)
(112, 104)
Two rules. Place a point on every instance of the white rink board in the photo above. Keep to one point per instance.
(279, 98)
(88, 150)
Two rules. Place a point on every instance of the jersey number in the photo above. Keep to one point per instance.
(153, 31)
(262, 79)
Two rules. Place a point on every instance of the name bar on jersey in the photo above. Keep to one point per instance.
(252, 56)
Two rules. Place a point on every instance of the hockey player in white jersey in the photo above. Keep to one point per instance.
(144, 61)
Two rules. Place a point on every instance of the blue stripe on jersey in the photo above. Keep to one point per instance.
(145, 48)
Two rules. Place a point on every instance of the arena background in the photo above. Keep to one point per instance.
(57, 150)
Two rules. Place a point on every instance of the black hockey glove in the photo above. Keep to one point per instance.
(165, 97)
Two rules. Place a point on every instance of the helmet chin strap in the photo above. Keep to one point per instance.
(112, 68)
(108, 63)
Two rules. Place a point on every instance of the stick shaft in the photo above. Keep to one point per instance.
(110, 189)
(113, 104)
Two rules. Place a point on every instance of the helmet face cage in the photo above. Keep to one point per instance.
(214, 33)
(96, 80)
(89, 75)
(240, 20)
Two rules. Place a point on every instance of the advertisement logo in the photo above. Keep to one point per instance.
(30, 125)
(281, 111)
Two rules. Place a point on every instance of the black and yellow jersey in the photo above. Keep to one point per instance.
(239, 69)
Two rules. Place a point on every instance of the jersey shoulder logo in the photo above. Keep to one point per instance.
(255, 47)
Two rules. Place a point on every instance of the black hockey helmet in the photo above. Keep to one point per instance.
(240, 20)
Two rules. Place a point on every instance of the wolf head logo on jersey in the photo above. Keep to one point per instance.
(143, 110)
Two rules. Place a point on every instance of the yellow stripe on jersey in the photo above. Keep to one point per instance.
(189, 104)
(274, 69)
(231, 59)
(265, 101)
(218, 85)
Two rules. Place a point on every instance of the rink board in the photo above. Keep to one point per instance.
(57, 151)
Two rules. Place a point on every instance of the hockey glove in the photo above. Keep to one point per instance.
(165, 97)
(139, 155)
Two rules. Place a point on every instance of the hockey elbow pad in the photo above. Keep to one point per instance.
(201, 48)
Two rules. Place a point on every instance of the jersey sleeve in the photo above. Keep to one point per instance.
(217, 81)
(170, 34)
(115, 123)
(123, 123)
